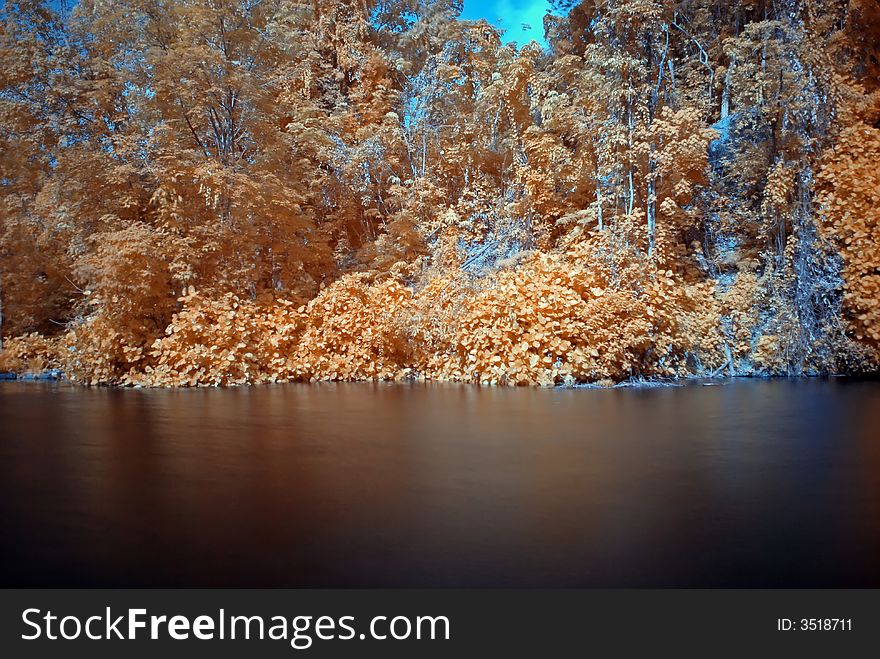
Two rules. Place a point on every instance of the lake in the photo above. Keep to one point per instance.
(746, 484)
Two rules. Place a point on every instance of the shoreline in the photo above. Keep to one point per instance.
(58, 376)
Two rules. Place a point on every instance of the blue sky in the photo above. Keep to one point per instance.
(510, 15)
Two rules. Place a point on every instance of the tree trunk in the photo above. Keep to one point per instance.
(652, 207)
(725, 95)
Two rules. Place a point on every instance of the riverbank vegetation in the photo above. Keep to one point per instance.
(237, 191)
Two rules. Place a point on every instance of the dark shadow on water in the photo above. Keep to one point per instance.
(763, 484)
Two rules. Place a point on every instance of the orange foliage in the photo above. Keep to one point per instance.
(366, 190)
(30, 353)
(222, 342)
(552, 322)
(354, 331)
(849, 191)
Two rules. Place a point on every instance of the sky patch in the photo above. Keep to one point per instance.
(521, 20)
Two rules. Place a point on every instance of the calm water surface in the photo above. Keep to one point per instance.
(749, 484)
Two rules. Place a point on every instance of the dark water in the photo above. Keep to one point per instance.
(748, 484)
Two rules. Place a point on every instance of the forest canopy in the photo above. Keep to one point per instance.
(204, 192)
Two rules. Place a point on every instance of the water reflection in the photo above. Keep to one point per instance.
(750, 484)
